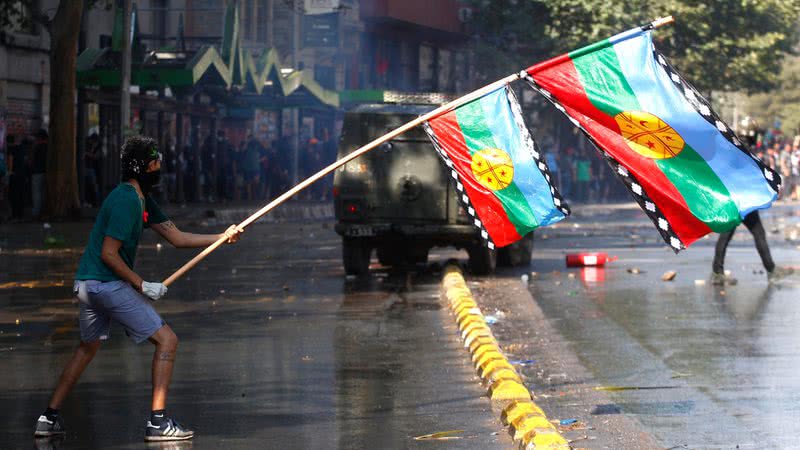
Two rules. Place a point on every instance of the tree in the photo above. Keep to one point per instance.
(717, 44)
(783, 102)
(62, 180)
(64, 27)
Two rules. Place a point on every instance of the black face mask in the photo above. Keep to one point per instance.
(149, 180)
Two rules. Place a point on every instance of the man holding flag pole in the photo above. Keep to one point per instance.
(108, 288)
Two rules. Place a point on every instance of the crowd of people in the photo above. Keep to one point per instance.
(247, 171)
(581, 175)
(22, 170)
(250, 170)
(782, 153)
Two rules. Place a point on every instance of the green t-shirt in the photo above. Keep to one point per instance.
(583, 170)
(122, 217)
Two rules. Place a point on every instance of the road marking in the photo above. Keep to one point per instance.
(526, 421)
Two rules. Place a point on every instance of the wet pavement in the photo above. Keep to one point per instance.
(277, 349)
(693, 365)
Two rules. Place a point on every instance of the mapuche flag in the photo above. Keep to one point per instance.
(500, 175)
(685, 167)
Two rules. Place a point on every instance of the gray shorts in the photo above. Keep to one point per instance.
(101, 302)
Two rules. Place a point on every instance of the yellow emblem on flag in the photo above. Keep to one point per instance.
(648, 135)
(493, 168)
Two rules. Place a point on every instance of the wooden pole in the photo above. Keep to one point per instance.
(660, 22)
(355, 154)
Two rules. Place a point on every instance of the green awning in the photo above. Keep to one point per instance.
(231, 66)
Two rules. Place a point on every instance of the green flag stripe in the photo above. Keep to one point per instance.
(478, 137)
(604, 82)
(708, 199)
(704, 193)
(476, 134)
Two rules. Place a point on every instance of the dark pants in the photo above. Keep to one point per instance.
(753, 223)
(17, 191)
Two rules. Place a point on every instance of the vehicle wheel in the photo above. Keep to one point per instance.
(389, 255)
(419, 255)
(356, 255)
(482, 260)
(516, 254)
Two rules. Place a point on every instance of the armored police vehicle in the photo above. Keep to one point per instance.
(399, 199)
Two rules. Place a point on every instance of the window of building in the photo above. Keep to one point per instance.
(444, 71)
(427, 68)
(325, 76)
(21, 16)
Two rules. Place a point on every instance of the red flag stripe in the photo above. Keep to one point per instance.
(557, 80)
(488, 207)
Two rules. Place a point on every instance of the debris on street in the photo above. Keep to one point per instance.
(440, 436)
(669, 275)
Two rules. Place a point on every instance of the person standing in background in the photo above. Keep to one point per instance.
(91, 161)
(18, 186)
(583, 176)
(794, 161)
(38, 169)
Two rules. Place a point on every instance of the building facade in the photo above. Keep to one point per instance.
(280, 70)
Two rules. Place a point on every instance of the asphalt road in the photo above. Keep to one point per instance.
(679, 364)
(277, 349)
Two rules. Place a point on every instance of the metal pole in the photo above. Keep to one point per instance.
(295, 111)
(125, 88)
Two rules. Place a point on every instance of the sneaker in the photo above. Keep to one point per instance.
(721, 279)
(170, 430)
(46, 427)
(778, 273)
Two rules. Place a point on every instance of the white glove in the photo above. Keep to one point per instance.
(153, 290)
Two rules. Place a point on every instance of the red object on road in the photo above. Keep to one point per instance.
(587, 259)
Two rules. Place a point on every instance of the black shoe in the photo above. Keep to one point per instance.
(46, 427)
(779, 273)
(169, 430)
(721, 279)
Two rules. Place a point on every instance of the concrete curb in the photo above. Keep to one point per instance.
(526, 421)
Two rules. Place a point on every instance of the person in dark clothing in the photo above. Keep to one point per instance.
(224, 167)
(252, 166)
(38, 169)
(753, 223)
(91, 161)
(207, 171)
(18, 186)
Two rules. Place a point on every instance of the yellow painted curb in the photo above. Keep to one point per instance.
(465, 312)
(530, 427)
(516, 410)
(494, 365)
(483, 341)
(527, 422)
(545, 439)
(486, 357)
(474, 334)
(508, 390)
(502, 374)
(480, 352)
(474, 326)
(465, 306)
(470, 320)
